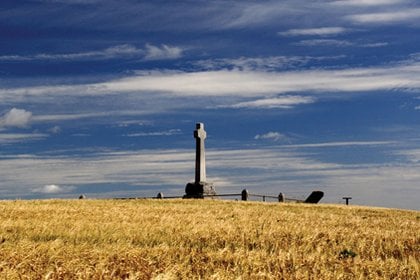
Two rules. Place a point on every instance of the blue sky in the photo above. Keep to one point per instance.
(102, 97)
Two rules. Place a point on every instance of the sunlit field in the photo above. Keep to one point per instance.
(207, 239)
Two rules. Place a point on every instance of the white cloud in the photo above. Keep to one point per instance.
(134, 123)
(162, 52)
(108, 53)
(284, 102)
(16, 118)
(150, 52)
(55, 129)
(368, 2)
(408, 15)
(274, 136)
(417, 108)
(271, 63)
(53, 189)
(324, 42)
(340, 144)
(375, 45)
(9, 138)
(412, 155)
(256, 83)
(256, 63)
(321, 31)
(78, 116)
(156, 133)
(244, 14)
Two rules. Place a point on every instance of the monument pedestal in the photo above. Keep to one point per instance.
(199, 190)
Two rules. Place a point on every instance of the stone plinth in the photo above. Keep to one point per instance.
(199, 190)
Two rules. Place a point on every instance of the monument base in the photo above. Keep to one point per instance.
(199, 190)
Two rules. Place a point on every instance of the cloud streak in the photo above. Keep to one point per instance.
(273, 136)
(324, 42)
(9, 138)
(150, 52)
(321, 31)
(162, 52)
(170, 132)
(54, 189)
(254, 83)
(366, 3)
(400, 16)
(283, 102)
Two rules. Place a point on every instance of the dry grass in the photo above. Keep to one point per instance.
(176, 239)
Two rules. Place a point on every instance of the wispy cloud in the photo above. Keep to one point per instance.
(324, 42)
(55, 129)
(364, 3)
(54, 189)
(78, 116)
(271, 63)
(112, 52)
(408, 15)
(162, 52)
(255, 83)
(8, 138)
(273, 136)
(150, 52)
(156, 133)
(321, 31)
(375, 45)
(341, 144)
(252, 14)
(284, 102)
(412, 155)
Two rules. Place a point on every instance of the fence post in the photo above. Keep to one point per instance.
(347, 198)
(282, 198)
(245, 195)
(159, 195)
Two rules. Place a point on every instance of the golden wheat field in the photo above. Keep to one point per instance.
(205, 239)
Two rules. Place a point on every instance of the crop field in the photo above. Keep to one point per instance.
(205, 239)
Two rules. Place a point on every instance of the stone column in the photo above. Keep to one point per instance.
(200, 187)
(200, 154)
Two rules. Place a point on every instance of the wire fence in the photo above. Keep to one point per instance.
(245, 195)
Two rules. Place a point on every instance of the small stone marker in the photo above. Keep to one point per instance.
(245, 195)
(314, 197)
(200, 187)
(282, 198)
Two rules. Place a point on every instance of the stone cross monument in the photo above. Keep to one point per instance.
(200, 155)
(200, 187)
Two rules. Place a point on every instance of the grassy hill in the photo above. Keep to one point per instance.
(210, 239)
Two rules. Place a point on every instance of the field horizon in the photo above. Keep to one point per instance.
(205, 239)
